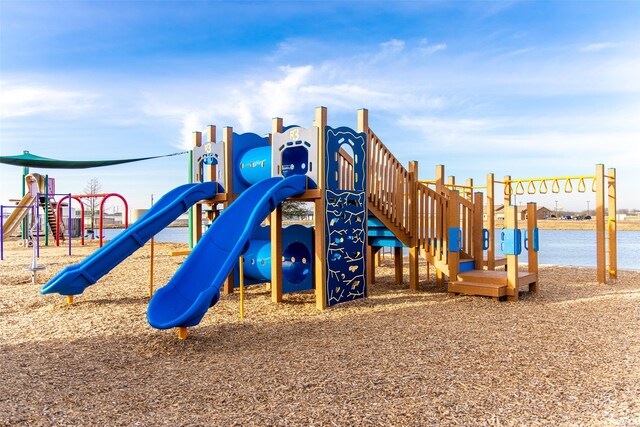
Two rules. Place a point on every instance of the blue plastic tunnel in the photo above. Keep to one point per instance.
(255, 165)
(296, 263)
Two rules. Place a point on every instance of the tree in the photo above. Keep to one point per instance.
(295, 210)
(93, 186)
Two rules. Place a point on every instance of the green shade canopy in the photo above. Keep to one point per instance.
(31, 160)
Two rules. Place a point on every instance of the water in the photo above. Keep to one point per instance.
(578, 248)
(558, 247)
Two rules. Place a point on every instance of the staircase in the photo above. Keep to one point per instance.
(446, 224)
(51, 216)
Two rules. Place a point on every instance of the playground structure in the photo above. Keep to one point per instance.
(41, 195)
(363, 199)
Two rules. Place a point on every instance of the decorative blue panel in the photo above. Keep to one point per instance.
(345, 237)
(536, 245)
(455, 239)
(511, 241)
(486, 239)
(345, 215)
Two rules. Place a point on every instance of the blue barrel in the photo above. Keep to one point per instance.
(296, 263)
(257, 260)
(255, 165)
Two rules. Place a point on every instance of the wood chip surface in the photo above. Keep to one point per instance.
(569, 355)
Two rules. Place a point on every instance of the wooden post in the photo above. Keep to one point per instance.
(467, 219)
(319, 217)
(511, 222)
(276, 254)
(439, 179)
(491, 222)
(227, 140)
(196, 210)
(151, 262)
(478, 252)
(371, 268)
(241, 278)
(414, 250)
(613, 224)
(436, 245)
(397, 262)
(275, 223)
(532, 255)
(372, 259)
(601, 260)
(453, 260)
(211, 137)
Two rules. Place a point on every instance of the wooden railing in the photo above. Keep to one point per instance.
(390, 187)
(395, 195)
(432, 222)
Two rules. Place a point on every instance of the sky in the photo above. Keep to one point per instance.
(520, 88)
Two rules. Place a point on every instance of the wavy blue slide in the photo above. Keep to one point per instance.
(196, 285)
(73, 280)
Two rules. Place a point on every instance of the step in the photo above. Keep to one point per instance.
(474, 288)
(372, 221)
(380, 232)
(497, 277)
(467, 265)
(385, 241)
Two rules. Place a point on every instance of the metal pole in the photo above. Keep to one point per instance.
(1, 233)
(151, 260)
(46, 211)
(37, 242)
(191, 225)
(69, 209)
(25, 172)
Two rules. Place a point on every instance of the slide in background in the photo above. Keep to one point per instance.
(16, 217)
(73, 280)
(196, 285)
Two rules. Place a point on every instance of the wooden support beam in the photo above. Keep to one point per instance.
(196, 210)
(491, 222)
(439, 178)
(511, 222)
(532, 255)
(414, 250)
(211, 137)
(363, 120)
(371, 268)
(453, 214)
(227, 140)
(319, 217)
(601, 261)
(397, 262)
(478, 252)
(612, 224)
(276, 254)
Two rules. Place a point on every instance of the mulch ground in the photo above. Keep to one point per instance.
(568, 355)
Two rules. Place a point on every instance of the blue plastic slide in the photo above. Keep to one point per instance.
(196, 285)
(73, 280)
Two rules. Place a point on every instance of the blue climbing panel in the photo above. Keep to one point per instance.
(346, 217)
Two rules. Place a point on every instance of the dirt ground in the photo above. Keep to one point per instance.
(569, 355)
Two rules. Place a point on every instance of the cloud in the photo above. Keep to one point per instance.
(22, 100)
(596, 47)
(429, 49)
(392, 46)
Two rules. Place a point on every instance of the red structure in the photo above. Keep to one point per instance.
(104, 196)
